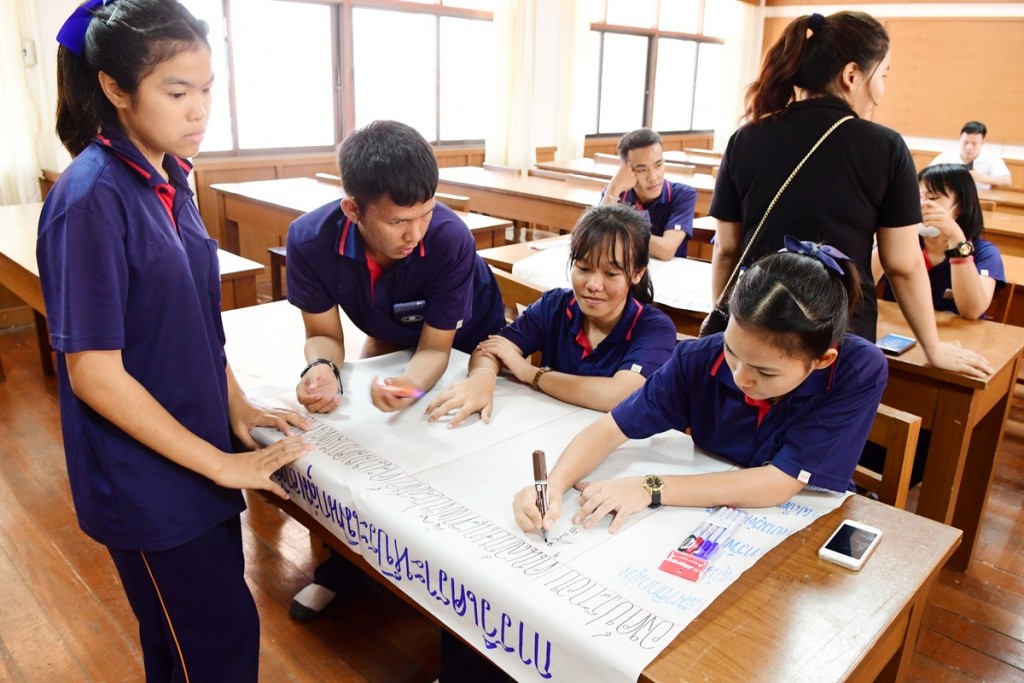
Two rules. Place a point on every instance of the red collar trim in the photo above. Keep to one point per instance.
(927, 261)
(714, 368)
(636, 319)
(762, 407)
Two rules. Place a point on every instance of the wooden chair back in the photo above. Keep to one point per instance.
(987, 204)
(455, 202)
(515, 292)
(702, 152)
(602, 156)
(896, 431)
(573, 179)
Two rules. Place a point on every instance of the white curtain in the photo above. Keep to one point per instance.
(570, 121)
(19, 168)
(510, 140)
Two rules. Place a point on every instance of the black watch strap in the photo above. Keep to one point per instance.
(324, 361)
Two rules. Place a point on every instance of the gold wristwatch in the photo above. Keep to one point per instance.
(653, 484)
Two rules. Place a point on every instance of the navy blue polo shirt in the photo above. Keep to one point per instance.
(126, 264)
(673, 210)
(987, 260)
(443, 282)
(642, 340)
(815, 433)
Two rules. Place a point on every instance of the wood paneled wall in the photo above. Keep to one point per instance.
(946, 71)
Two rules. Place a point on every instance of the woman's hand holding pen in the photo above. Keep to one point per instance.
(318, 390)
(621, 497)
(527, 514)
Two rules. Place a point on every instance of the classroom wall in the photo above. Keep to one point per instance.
(951, 62)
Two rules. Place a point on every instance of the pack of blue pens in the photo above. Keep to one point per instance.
(694, 555)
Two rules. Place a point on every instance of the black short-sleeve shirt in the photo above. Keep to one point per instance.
(860, 179)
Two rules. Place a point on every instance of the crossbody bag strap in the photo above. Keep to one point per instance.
(739, 264)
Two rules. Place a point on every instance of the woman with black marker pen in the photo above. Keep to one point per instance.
(785, 392)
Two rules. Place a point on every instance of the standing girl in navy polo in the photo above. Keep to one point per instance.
(132, 289)
(963, 283)
(783, 385)
(598, 341)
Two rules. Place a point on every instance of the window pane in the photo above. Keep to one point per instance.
(623, 80)
(640, 13)
(673, 86)
(395, 68)
(597, 11)
(710, 95)
(467, 78)
(682, 16)
(588, 89)
(218, 129)
(721, 18)
(284, 88)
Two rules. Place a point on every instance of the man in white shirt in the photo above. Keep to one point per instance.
(986, 169)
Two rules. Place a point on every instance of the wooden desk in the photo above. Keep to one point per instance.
(257, 214)
(599, 168)
(965, 415)
(1007, 201)
(705, 163)
(1006, 231)
(543, 201)
(19, 225)
(790, 617)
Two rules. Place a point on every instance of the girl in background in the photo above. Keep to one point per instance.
(149, 405)
(964, 269)
(598, 340)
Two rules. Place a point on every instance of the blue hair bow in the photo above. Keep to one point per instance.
(829, 256)
(72, 34)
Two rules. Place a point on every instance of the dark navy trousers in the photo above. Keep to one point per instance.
(197, 618)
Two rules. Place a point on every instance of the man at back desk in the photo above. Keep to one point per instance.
(986, 168)
(640, 181)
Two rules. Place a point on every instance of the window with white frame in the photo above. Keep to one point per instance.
(299, 74)
(654, 63)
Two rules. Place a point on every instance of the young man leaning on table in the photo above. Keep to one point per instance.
(405, 270)
(640, 182)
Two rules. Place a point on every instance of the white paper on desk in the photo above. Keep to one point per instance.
(683, 284)
(592, 606)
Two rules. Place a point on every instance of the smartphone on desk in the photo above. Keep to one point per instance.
(851, 544)
(895, 344)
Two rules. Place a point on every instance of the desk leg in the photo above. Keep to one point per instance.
(947, 454)
(43, 336)
(977, 476)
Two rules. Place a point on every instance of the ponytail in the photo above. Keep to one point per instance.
(811, 55)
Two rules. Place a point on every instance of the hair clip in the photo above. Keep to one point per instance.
(829, 256)
(72, 34)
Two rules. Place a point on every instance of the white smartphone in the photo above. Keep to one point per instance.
(851, 544)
